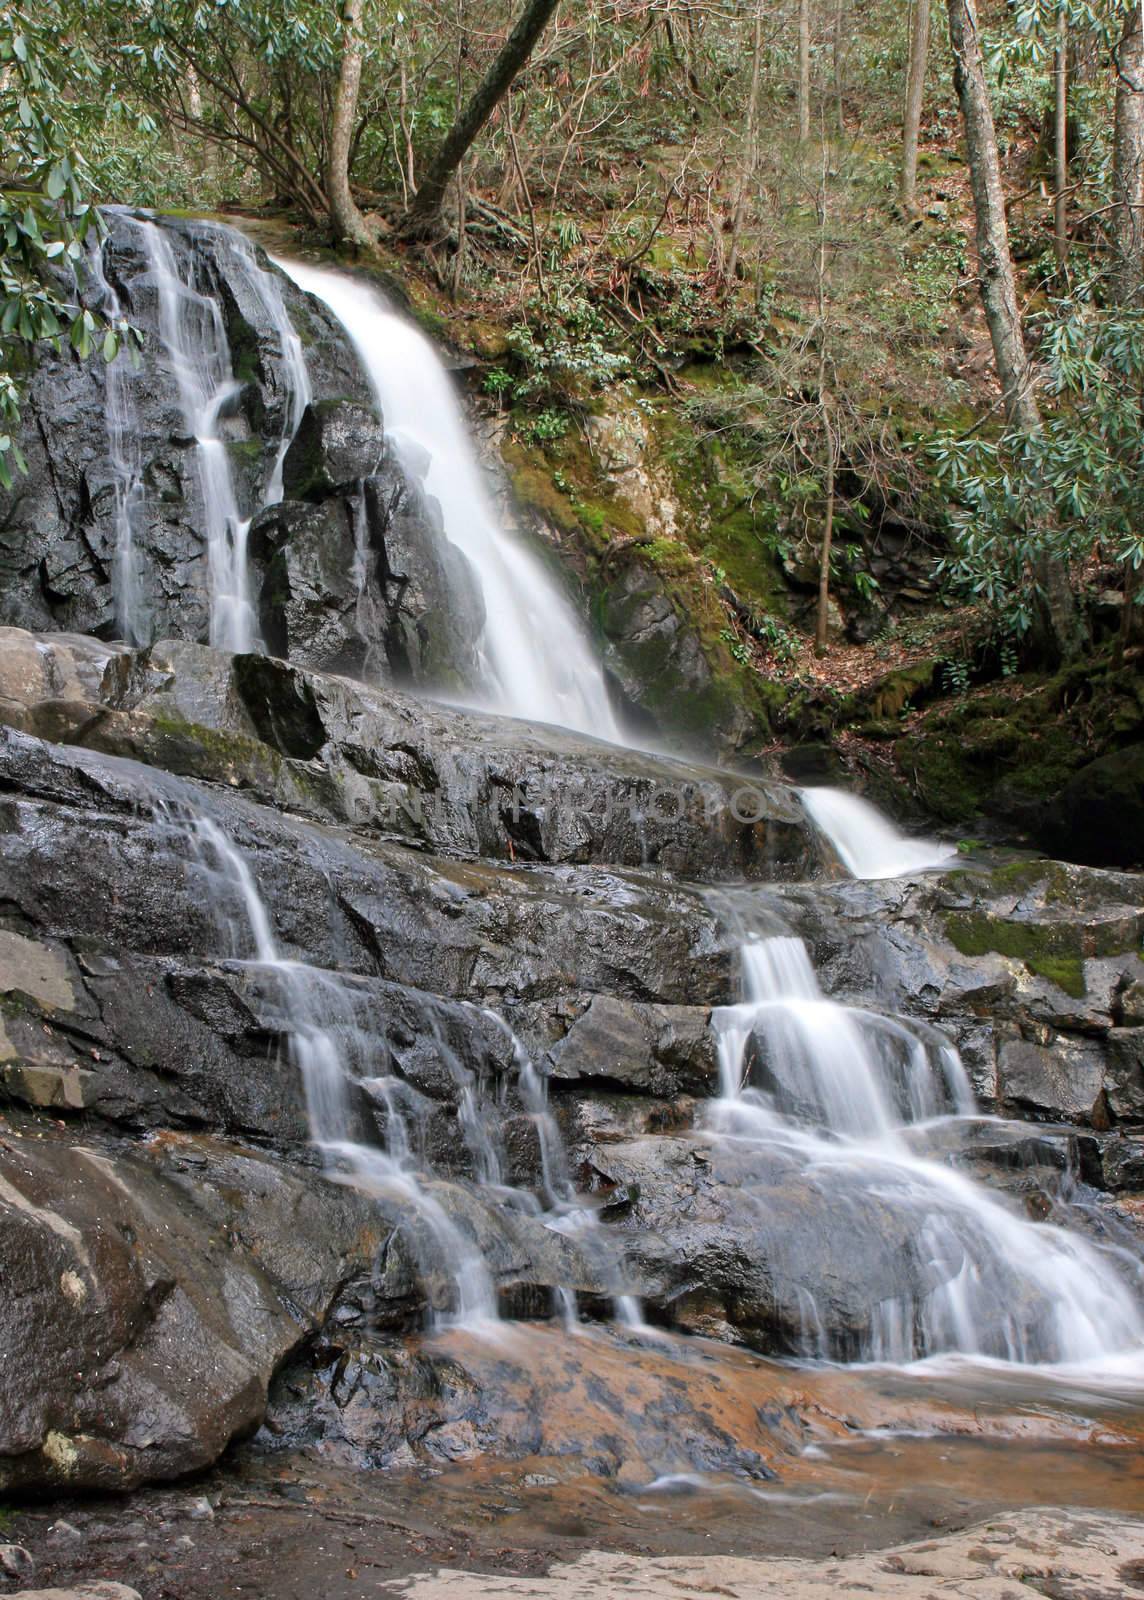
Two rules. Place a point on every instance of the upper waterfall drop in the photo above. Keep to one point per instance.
(537, 662)
(867, 843)
(196, 344)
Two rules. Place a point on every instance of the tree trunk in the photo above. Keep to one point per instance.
(1061, 140)
(803, 70)
(750, 142)
(995, 262)
(915, 98)
(423, 214)
(1128, 162)
(822, 618)
(1061, 626)
(838, 51)
(348, 221)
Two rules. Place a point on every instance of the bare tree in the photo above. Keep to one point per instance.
(998, 286)
(423, 215)
(915, 97)
(803, 70)
(1061, 139)
(348, 221)
(825, 407)
(750, 141)
(995, 261)
(1128, 160)
(838, 53)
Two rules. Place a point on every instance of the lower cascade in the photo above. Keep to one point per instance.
(337, 1043)
(852, 1096)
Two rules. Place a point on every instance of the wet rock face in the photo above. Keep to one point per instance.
(139, 1333)
(349, 572)
(359, 576)
(369, 757)
(659, 663)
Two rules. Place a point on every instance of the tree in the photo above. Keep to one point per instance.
(51, 99)
(998, 285)
(344, 214)
(250, 77)
(915, 96)
(423, 216)
(803, 70)
(750, 141)
(1128, 160)
(997, 279)
(1061, 139)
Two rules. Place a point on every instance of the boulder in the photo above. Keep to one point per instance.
(338, 443)
(139, 1331)
(661, 1050)
(1098, 817)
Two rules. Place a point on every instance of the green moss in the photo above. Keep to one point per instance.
(1053, 950)
(1008, 752)
(894, 693)
(193, 750)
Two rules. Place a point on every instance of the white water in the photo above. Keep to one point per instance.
(319, 1021)
(125, 456)
(537, 662)
(984, 1281)
(338, 1043)
(867, 843)
(195, 343)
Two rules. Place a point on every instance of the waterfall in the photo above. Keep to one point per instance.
(320, 1023)
(194, 338)
(338, 1045)
(838, 1090)
(536, 660)
(126, 460)
(866, 842)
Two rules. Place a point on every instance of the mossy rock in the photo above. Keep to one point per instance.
(1009, 756)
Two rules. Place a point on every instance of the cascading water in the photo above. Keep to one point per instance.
(320, 1023)
(866, 842)
(125, 457)
(834, 1089)
(537, 662)
(337, 1044)
(195, 342)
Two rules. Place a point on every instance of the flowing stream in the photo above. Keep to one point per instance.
(866, 842)
(536, 661)
(839, 1090)
(337, 1042)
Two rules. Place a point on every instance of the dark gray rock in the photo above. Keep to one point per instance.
(152, 1334)
(338, 443)
(452, 781)
(1098, 816)
(661, 1050)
